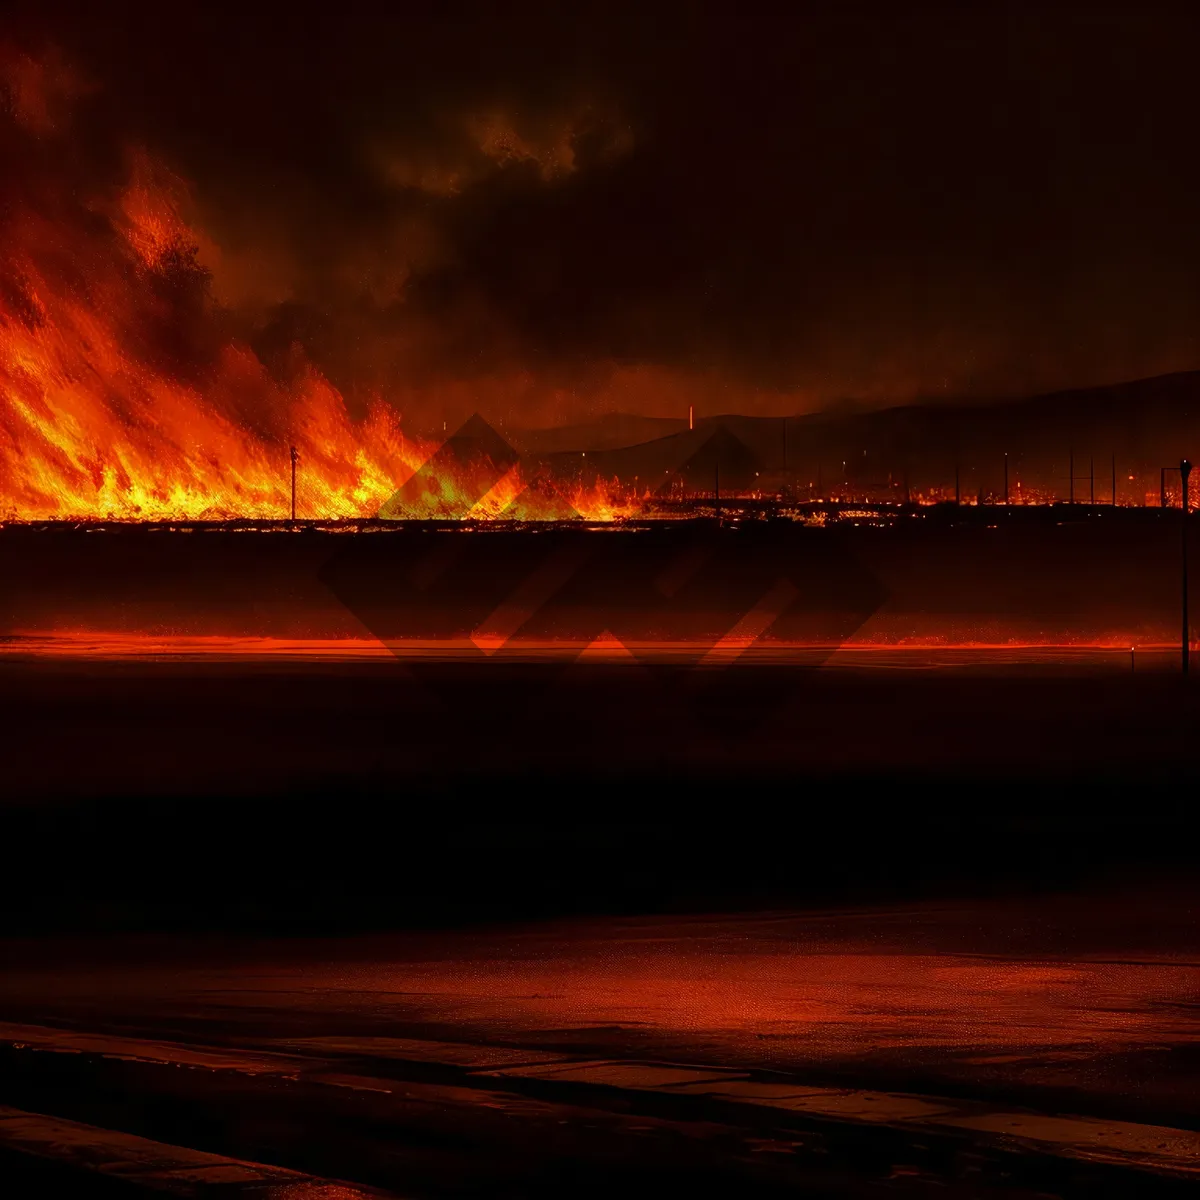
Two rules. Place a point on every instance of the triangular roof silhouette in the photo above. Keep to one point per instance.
(466, 466)
(722, 455)
(605, 648)
(475, 438)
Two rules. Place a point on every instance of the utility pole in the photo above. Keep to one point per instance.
(1114, 480)
(1185, 469)
(1006, 478)
(957, 490)
(1071, 462)
(717, 488)
(1092, 479)
(295, 456)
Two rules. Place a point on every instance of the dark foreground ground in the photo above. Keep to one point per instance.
(422, 928)
(1007, 1047)
(352, 796)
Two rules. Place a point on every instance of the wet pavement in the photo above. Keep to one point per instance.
(1039, 1039)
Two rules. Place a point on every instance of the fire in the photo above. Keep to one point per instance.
(95, 424)
(122, 396)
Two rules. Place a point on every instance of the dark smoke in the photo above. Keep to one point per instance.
(543, 212)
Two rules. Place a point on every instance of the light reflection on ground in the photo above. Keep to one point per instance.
(1114, 655)
(985, 998)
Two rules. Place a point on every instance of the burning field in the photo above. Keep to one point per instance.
(151, 449)
(126, 392)
(131, 391)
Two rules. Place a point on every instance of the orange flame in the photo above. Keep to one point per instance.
(98, 420)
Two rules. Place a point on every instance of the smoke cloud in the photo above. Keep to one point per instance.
(545, 215)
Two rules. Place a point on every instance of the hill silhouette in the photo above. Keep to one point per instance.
(1142, 424)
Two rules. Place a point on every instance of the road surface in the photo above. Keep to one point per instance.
(1034, 1047)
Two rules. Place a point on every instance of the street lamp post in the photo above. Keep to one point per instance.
(1185, 469)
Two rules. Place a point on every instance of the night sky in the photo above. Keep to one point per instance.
(561, 210)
